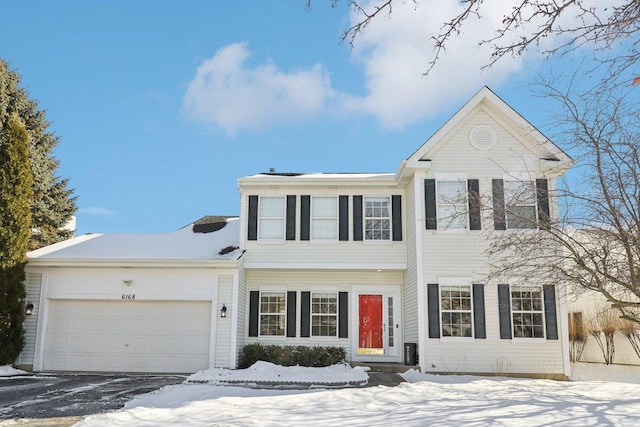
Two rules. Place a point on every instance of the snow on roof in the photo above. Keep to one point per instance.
(324, 175)
(187, 243)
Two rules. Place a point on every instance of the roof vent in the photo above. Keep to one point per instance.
(483, 137)
(209, 224)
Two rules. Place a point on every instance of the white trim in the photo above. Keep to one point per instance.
(452, 281)
(386, 291)
(441, 176)
(213, 332)
(233, 342)
(323, 266)
(420, 284)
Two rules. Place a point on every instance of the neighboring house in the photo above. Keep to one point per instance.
(389, 266)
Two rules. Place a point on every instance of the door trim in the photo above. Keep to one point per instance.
(395, 291)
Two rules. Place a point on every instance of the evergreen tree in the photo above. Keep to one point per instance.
(16, 194)
(53, 203)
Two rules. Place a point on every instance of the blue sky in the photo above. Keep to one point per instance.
(161, 106)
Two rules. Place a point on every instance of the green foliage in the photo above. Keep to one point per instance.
(52, 203)
(292, 355)
(16, 194)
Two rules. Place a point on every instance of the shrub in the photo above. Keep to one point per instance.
(291, 355)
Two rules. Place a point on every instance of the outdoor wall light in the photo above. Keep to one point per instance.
(223, 311)
(28, 309)
(127, 282)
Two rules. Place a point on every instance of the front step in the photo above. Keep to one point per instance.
(396, 368)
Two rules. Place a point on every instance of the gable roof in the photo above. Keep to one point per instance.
(489, 102)
(208, 239)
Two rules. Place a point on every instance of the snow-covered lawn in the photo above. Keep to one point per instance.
(612, 398)
(597, 395)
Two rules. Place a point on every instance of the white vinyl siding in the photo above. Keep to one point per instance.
(324, 218)
(223, 325)
(271, 218)
(33, 287)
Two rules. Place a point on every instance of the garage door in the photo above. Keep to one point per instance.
(135, 336)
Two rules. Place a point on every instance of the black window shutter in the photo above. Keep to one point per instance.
(305, 314)
(291, 217)
(254, 306)
(430, 204)
(433, 308)
(343, 315)
(474, 204)
(357, 218)
(550, 317)
(478, 311)
(252, 225)
(396, 217)
(305, 217)
(291, 314)
(499, 221)
(504, 311)
(343, 218)
(542, 191)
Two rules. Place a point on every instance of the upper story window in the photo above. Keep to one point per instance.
(453, 206)
(324, 218)
(456, 309)
(273, 313)
(324, 314)
(520, 204)
(377, 218)
(271, 218)
(527, 311)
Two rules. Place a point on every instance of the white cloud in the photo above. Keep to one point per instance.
(97, 211)
(393, 51)
(227, 92)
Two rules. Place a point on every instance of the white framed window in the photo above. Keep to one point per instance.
(520, 204)
(452, 204)
(324, 314)
(271, 218)
(527, 311)
(377, 218)
(456, 310)
(273, 313)
(324, 218)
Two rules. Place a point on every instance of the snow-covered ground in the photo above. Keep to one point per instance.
(597, 395)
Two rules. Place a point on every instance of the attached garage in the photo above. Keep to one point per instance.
(154, 303)
(128, 336)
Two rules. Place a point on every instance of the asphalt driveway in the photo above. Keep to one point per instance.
(64, 399)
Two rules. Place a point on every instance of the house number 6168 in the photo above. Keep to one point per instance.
(128, 297)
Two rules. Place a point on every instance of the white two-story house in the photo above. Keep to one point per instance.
(391, 267)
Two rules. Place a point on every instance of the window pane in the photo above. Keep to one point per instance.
(271, 207)
(272, 313)
(455, 304)
(520, 204)
(324, 229)
(452, 207)
(271, 218)
(324, 314)
(323, 207)
(527, 308)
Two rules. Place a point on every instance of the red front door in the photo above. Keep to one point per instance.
(370, 333)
